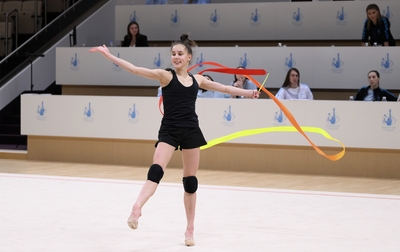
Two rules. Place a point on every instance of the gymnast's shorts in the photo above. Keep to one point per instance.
(182, 138)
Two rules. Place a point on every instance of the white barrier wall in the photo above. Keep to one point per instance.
(254, 21)
(356, 124)
(320, 67)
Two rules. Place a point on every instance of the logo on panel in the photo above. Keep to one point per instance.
(289, 62)
(386, 64)
(297, 17)
(175, 19)
(41, 111)
(333, 119)
(88, 113)
(337, 64)
(158, 62)
(255, 18)
(228, 116)
(279, 118)
(214, 18)
(387, 13)
(388, 121)
(133, 114)
(244, 61)
(133, 17)
(200, 60)
(341, 17)
(75, 62)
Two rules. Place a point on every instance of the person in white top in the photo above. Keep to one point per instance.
(292, 89)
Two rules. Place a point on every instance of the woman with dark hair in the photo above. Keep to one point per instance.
(373, 92)
(292, 89)
(377, 28)
(241, 81)
(179, 126)
(203, 93)
(134, 38)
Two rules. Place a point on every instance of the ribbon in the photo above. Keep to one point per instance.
(290, 117)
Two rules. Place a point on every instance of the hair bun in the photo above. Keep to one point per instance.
(184, 38)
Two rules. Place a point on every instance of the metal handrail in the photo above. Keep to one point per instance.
(16, 29)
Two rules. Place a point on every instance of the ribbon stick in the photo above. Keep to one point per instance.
(262, 85)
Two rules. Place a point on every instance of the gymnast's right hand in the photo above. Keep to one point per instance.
(103, 49)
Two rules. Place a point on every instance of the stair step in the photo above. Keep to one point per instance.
(11, 119)
(13, 139)
(10, 129)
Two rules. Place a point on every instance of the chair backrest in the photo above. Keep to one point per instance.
(3, 30)
(29, 6)
(57, 5)
(11, 5)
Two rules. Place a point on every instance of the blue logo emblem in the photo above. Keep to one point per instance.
(116, 67)
(333, 118)
(290, 62)
(88, 112)
(386, 64)
(133, 17)
(341, 17)
(279, 117)
(200, 60)
(228, 116)
(387, 13)
(75, 62)
(388, 119)
(175, 19)
(244, 61)
(133, 114)
(337, 64)
(297, 17)
(214, 18)
(41, 111)
(255, 18)
(158, 62)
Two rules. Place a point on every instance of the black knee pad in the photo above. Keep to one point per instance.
(190, 184)
(155, 173)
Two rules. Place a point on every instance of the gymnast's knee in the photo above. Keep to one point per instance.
(155, 173)
(190, 184)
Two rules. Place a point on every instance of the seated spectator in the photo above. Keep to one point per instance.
(373, 92)
(377, 28)
(159, 91)
(197, 1)
(134, 38)
(209, 93)
(240, 81)
(293, 89)
(150, 2)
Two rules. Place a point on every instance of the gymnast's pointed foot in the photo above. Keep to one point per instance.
(133, 220)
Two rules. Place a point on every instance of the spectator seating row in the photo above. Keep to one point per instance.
(26, 14)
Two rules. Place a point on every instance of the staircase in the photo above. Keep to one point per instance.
(10, 122)
(10, 127)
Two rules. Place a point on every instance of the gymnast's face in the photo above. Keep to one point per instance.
(179, 56)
